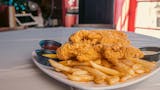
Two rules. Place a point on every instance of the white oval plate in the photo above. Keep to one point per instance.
(90, 85)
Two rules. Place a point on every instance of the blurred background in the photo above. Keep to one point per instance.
(140, 16)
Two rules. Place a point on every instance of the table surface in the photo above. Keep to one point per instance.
(17, 71)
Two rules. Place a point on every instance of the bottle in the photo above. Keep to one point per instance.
(12, 18)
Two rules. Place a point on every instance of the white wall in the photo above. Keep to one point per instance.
(146, 14)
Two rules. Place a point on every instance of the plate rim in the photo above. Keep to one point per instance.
(46, 70)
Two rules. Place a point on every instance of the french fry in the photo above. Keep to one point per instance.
(80, 78)
(60, 66)
(147, 66)
(99, 77)
(122, 72)
(126, 77)
(128, 62)
(113, 80)
(58, 70)
(143, 62)
(138, 68)
(124, 68)
(80, 72)
(104, 69)
(74, 63)
(140, 71)
(77, 63)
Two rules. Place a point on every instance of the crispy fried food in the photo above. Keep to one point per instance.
(78, 51)
(104, 69)
(101, 56)
(78, 63)
(60, 66)
(99, 77)
(118, 52)
(65, 52)
(80, 78)
(100, 36)
(148, 66)
(87, 45)
(105, 63)
(85, 36)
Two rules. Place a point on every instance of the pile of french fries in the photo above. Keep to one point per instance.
(102, 71)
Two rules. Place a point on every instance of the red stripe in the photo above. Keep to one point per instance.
(132, 13)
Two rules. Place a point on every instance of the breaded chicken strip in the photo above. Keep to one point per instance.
(65, 52)
(86, 52)
(119, 52)
(100, 37)
(85, 36)
(78, 51)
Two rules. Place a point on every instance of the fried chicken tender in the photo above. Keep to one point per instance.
(85, 36)
(120, 52)
(100, 37)
(65, 51)
(78, 51)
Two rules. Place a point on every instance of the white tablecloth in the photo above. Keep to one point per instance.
(17, 71)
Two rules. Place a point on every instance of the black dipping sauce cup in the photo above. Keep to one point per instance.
(42, 59)
(49, 44)
(151, 57)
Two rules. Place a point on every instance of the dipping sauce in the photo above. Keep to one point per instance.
(149, 52)
(49, 44)
(50, 47)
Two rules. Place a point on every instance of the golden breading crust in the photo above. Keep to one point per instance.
(78, 51)
(86, 45)
(120, 52)
(100, 36)
(65, 52)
